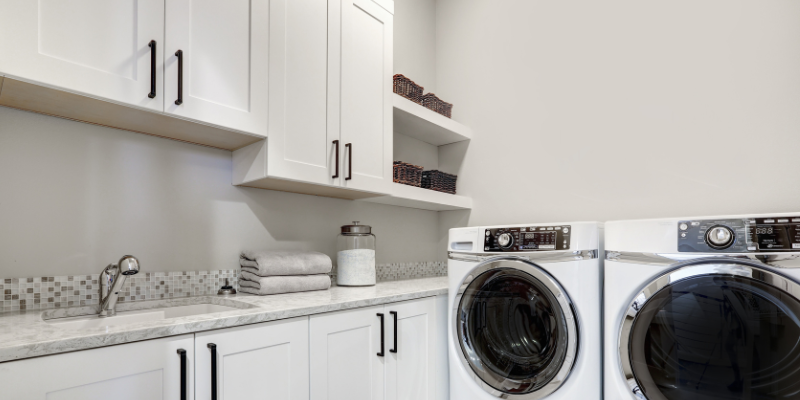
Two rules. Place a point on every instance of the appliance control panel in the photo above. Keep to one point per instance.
(527, 238)
(745, 235)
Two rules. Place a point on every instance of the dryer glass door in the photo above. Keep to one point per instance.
(517, 331)
(717, 334)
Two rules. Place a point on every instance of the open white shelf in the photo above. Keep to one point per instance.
(425, 199)
(416, 121)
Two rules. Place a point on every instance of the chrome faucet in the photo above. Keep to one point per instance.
(111, 280)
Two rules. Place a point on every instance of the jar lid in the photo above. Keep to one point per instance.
(356, 228)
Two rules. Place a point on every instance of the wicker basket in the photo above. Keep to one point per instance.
(434, 103)
(407, 88)
(407, 174)
(439, 181)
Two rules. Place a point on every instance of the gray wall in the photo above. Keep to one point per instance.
(603, 110)
(74, 197)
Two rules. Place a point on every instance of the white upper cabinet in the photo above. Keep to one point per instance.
(216, 62)
(301, 145)
(361, 54)
(97, 48)
(146, 370)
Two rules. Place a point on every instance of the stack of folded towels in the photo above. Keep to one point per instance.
(273, 272)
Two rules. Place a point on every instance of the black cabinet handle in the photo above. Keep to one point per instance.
(213, 348)
(152, 93)
(179, 54)
(349, 147)
(182, 353)
(380, 354)
(394, 350)
(336, 175)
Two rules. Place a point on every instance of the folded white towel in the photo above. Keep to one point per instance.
(283, 262)
(259, 285)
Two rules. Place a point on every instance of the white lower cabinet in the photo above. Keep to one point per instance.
(356, 354)
(149, 370)
(262, 361)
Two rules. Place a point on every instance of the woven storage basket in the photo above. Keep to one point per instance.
(439, 181)
(407, 174)
(407, 88)
(434, 103)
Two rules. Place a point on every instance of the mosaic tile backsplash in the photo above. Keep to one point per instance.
(42, 293)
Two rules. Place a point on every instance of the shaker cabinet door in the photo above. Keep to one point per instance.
(300, 144)
(148, 370)
(216, 62)
(361, 55)
(412, 365)
(345, 364)
(97, 48)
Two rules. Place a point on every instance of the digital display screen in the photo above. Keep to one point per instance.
(538, 240)
(777, 237)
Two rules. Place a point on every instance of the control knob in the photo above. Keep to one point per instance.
(719, 237)
(505, 240)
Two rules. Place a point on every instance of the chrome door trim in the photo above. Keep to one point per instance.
(684, 270)
(781, 260)
(550, 257)
(561, 295)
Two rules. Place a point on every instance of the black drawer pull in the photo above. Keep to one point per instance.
(380, 354)
(349, 147)
(213, 348)
(336, 175)
(182, 353)
(394, 350)
(152, 93)
(179, 54)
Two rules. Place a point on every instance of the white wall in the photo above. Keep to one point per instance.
(415, 41)
(74, 197)
(602, 110)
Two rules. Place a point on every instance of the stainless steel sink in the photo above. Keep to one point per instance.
(138, 316)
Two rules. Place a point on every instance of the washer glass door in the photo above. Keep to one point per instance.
(717, 331)
(516, 328)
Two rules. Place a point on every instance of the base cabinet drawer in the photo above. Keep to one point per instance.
(261, 361)
(149, 370)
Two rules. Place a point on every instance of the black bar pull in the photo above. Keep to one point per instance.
(152, 93)
(336, 175)
(182, 353)
(380, 354)
(179, 54)
(394, 350)
(349, 147)
(213, 348)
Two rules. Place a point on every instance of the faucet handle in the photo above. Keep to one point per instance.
(128, 265)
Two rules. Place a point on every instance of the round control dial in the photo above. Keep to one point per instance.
(505, 240)
(720, 237)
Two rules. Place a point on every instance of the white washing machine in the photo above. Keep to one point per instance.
(703, 308)
(524, 312)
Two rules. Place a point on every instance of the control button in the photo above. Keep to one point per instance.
(795, 219)
(683, 227)
(683, 234)
(719, 237)
(566, 230)
(752, 248)
(695, 223)
(488, 233)
(505, 240)
(769, 221)
(783, 221)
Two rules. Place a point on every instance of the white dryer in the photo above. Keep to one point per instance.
(703, 308)
(524, 312)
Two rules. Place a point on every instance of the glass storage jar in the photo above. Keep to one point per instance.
(355, 259)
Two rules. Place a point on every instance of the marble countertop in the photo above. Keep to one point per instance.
(27, 334)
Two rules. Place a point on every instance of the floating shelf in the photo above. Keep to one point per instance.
(425, 199)
(416, 121)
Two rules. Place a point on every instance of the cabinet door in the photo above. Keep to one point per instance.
(300, 144)
(411, 365)
(94, 47)
(262, 361)
(149, 370)
(362, 56)
(224, 49)
(345, 364)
